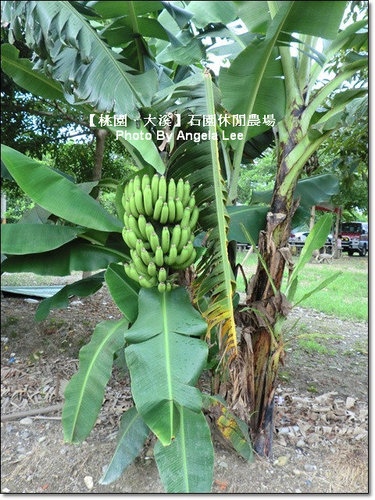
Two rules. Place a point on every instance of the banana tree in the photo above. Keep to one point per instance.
(160, 73)
(307, 120)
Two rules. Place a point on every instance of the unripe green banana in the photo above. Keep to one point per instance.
(162, 274)
(131, 272)
(164, 213)
(162, 287)
(165, 239)
(159, 257)
(176, 235)
(126, 220)
(129, 237)
(155, 188)
(139, 246)
(133, 225)
(145, 181)
(157, 208)
(133, 208)
(163, 188)
(185, 236)
(171, 189)
(145, 256)
(185, 254)
(179, 209)
(137, 183)
(138, 262)
(147, 201)
(191, 203)
(186, 197)
(154, 242)
(190, 261)
(147, 282)
(186, 257)
(171, 210)
(151, 269)
(186, 217)
(194, 218)
(180, 189)
(170, 259)
(149, 230)
(129, 188)
(142, 226)
(138, 197)
(126, 206)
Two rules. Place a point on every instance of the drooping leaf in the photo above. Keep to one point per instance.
(21, 239)
(214, 271)
(311, 191)
(85, 391)
(252, 218)
(73, 256)
(186, 465)
(55, 193)
(165, 358)
(123, 290)
(132, 436)
(60, 300)
(21, 71)
(317, 288)
(61, 36)
(315, 240)
(231, 428)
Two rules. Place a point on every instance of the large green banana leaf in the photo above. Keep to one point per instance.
(38, 83)
(186, 465)
(21, 71)
(77, 255)
(165, 357)
(85, 391)
(55, 193)
(123, 290)
(311, 191)
(20, 239)
(75, 54)
(60, 300)
(132, 436)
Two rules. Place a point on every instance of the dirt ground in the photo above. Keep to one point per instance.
(320, 437)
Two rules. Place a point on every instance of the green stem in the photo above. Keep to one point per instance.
(137, 40)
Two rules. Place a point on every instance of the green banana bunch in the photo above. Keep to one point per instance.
(159, 222)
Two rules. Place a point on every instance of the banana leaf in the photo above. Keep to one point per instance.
(165, 357)
(55, 193)
(60, 300)
(132, 436)
(186, 465)
(85, 391)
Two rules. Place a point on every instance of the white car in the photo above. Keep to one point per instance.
(298, 237)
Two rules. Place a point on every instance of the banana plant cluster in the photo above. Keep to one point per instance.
(159, 222)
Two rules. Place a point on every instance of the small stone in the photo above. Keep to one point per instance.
(309, 467)
(297, 472)
(26, 421)
(300, 443)
(41, 439)
(223, 464)
(89, 482)
(350, 402)
(281, 461)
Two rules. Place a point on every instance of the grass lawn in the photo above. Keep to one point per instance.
(346, 297)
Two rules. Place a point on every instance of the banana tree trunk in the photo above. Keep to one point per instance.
(261, 350)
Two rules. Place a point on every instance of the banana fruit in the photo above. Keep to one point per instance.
(160, 217)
